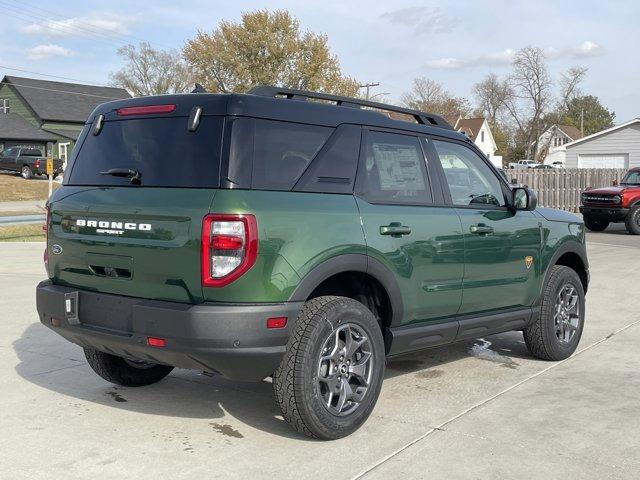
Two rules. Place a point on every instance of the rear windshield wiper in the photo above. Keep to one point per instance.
(133, 174)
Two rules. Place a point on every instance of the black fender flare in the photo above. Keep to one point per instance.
(570, 246)
(353, 262)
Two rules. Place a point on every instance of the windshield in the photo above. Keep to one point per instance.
(162, 150)
(631, 178)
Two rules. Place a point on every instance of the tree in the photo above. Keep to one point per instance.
(429, 96)
(530, 96)
(491, 96)
(265, 48)
(570, 84)
(151, 72)
(596, 116)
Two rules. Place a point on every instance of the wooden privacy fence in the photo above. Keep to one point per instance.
(560, 187)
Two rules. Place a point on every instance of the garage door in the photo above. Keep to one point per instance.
(618, 160)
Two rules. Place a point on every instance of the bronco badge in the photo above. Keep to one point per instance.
(528, 261)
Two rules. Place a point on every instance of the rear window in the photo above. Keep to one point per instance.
(32, 152)
(161, 149)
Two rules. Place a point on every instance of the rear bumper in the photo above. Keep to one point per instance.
(231, 340)
(610, 214)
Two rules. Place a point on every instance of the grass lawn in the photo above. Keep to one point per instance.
(22, 233)
(15, 188)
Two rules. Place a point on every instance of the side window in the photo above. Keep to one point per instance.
(394, 170)
(283, 151)
(334, 168)
(471, 181)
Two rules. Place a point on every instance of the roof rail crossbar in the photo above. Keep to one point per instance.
(291, 93)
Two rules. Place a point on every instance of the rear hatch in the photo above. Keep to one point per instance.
(128, 218)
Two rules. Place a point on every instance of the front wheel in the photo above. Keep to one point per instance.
(595, 224)
(632, 222)
(26, 172)
(122, 371)
(331, 375)
(555, 334)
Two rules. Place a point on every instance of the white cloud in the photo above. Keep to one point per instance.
(421, 19)
(505, 57)
(101, 25)
(40, 52)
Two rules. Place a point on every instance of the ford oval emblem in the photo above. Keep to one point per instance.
(56, 249)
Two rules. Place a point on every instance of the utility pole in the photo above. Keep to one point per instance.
(368, 86)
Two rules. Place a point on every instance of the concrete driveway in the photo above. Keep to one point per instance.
(481, 409)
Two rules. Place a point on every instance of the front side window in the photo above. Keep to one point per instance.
(471, 181)
(283, 151)
(394, 170)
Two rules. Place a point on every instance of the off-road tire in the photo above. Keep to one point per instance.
(295, 380)
(540, 336)
(595, 224)
(116, 370)
(632, 222)
(26, 173)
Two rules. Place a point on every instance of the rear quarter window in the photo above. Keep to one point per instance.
(283, 151)
(162, 149)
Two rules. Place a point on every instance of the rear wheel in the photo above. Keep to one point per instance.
(331, 375)
(632, 221)
(26, 172)
(595, 224)
(555, 334)
(122, 371)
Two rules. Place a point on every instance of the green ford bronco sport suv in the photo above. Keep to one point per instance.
(299, 236)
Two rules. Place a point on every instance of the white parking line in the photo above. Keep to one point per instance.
(484, 402)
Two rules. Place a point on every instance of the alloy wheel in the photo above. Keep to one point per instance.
(345, 368)
(567, 313)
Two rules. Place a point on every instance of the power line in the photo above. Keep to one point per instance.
(53, 76)
(58, 23)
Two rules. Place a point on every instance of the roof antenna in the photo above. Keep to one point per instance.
(199, 89)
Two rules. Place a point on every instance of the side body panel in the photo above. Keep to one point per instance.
(297, 232)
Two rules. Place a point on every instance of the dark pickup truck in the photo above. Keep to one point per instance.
(28, 162)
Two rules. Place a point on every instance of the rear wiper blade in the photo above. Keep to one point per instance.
(133, 174)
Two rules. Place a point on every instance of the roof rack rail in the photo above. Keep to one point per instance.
(291, 93)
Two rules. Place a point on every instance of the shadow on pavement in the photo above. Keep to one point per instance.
(192, 394)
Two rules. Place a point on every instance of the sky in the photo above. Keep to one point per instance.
(391, 43)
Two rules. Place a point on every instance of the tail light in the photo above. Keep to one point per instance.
(229, 247)
(37, 164)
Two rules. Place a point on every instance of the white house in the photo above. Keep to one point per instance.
(477, 129)
(615, 147)
(551, 144)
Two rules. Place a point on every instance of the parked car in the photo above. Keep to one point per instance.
(523, 164)
(318, 240)
(558, 164)
(542, 166)
(618, 203)
(28, 162)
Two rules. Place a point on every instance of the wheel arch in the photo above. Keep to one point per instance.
(362, 268)
(571, 254)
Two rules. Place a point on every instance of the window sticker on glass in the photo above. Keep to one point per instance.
(398, 166)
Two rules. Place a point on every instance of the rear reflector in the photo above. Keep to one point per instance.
(156, 342)
(145, 110)
(277, 322)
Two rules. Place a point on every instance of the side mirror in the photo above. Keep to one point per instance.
(614, 183)
(524, 199)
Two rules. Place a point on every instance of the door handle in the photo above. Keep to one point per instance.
(481, 229)
(395, 229)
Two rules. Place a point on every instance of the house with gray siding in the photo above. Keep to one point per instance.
(616, 147)
(48, 115)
